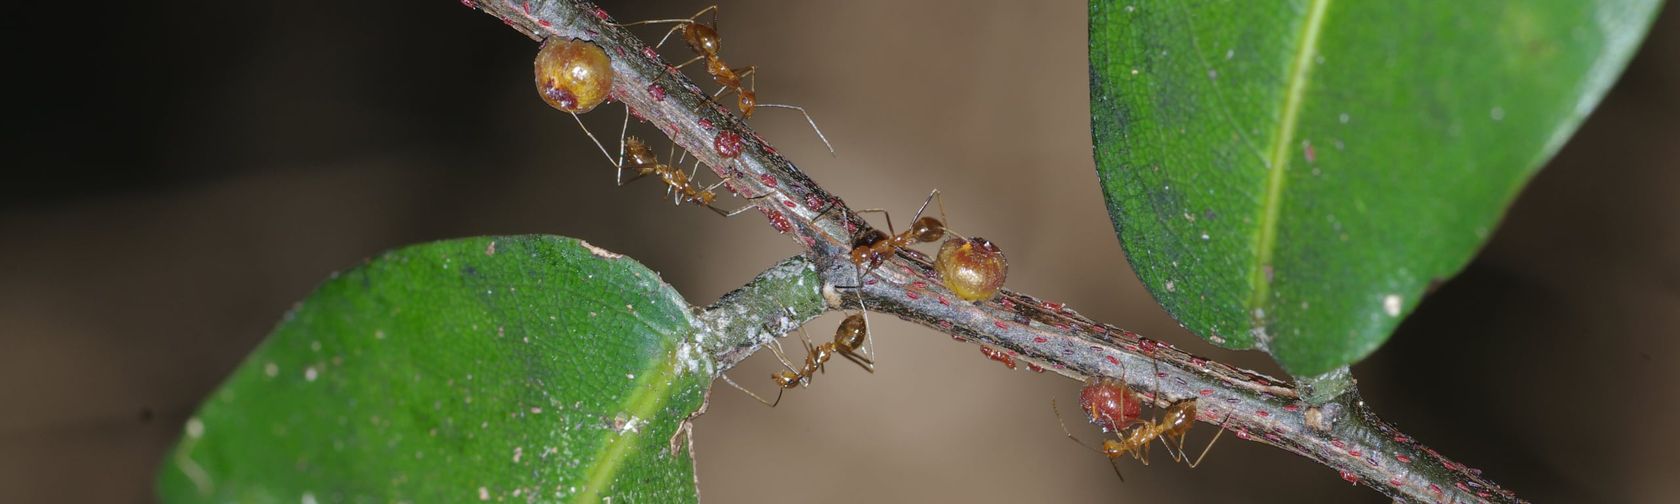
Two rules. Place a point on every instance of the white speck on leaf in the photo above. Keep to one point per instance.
(1391, 305)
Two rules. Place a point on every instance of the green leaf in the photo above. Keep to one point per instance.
(1293, 176)
(510, 369)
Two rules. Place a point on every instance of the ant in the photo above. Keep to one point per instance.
(706, 43)
(873, 247)
(1179, 418)
(848, 339)
(640, 159)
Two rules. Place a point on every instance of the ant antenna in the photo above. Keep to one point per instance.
(598, 141)
(1069, 434)
(738, 386)
(808, 120)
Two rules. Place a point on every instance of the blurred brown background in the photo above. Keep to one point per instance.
(180, 175)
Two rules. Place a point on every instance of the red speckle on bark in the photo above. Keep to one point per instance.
(1434, 488)
(912, 295)
(1402, 458)
(544, 23)
(1040, 339)
(1205, 392)
(470, 4)
(1291, 407)
(649, 53)
(1242, 434)
(945, 324)
(918, 284)
(657, 92)
(944, 301)
(1000, 324)
(1353, 452)
(1263, 413)
(1394, 482)
(1035, 367)
(600, 14)
(777, 221)
(727, 144)
(790, 204)
(998, 355)
(705, 124)
(768, 180)
(1112, 360)
(1338, 444)
(1350, 477)
(1099, 329)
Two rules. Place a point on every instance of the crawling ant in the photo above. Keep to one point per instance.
(640, 159)
(1133, 436)
(873, 247)
(848, 340)
(706, 44)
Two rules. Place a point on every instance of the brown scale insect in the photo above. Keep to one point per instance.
(639, 159)
(706, 44)
(848, 340)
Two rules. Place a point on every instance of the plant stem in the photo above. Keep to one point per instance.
(1338, 432)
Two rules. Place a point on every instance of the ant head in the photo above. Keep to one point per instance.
(703, 40)
(785, 379)
(748, 101)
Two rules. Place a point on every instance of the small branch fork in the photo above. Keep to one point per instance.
(1340, 433)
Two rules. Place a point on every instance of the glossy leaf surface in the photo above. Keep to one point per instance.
(508, 369)
(1294, 176)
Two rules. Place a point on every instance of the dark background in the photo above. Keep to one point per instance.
(180, 174)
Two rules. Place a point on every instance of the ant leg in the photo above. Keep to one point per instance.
(686, 63)
(592, 137)
(860, 360)
(738, 386)
(890, 230)
(869, 343)
(1209, 445)
(776, 348)
(932, 196)
(808, 120)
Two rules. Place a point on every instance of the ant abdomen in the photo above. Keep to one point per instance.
(927, 229)
(852, 332)
(573, 75)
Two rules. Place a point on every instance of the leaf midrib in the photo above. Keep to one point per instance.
(1271, 202)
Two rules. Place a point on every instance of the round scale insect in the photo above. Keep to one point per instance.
(1110, 404)
(573, 75)
(973, 268)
